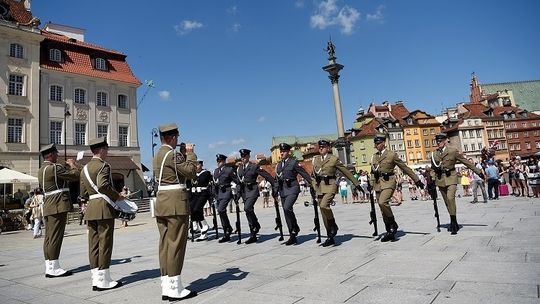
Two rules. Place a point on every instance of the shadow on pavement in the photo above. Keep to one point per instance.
(218, 279)
(141, 275)
(113, 262)
(347, 237)
(267, 237)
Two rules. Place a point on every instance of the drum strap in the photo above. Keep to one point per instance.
(99, 194)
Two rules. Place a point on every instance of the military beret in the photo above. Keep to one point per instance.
(98, 143)
(285, 147)
(220, 157)
(441, 136)
(48, 149)
(379, 138)
(324, 142)
(244, 152)
(168, 129)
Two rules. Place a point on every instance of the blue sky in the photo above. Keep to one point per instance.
(232, 74)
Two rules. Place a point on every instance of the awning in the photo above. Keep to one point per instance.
(116, 162)
(8, 176)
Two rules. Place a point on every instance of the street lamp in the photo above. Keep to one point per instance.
(155, 135)
(66, 114)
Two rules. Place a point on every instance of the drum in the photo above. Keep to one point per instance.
(127, 210)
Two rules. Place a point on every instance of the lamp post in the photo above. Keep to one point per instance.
(155, 135)
(66, 114)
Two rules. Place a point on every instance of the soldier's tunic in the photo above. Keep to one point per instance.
(172, 207)
(324, 182)
(287, 171)
(247, 175)
(223, 193)
(200, 194)
(443, 163)
(383, 178)
(54, 179)
(99, 213)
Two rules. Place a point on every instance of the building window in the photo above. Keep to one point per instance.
(15, 130)
(478, 134)
(123, 136)
(101, 64)
(400, 146)
(80, 134)
(518, 146)
(393, 147)
(409, 121)
(80, 96)
(417, 143)
(538, 145)
(463, 134)
(466, 148)
(480, 146)
(411, 156)
(501, 133)
(55, 55)
(364, 158)
(426, 143)
(526, 134)
(473, 147)
(533, 124)
(432, 131)
(55, 132)
(514, 125)
(409, 143)
(415, 131)
(399, 136)
(535, 133)
(55, 93)
(102, 131)
(528, 145)
(16, 50)
(523, 124)
(418, 155)
(16, 84)
(122, 101)
(101, 99)
(425, 131)
(471, 133)
(392, 136)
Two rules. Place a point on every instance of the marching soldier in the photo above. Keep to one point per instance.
(53, 178)
(384, 182)
(247, 174)
(172, 210)
(287, 171)
(325, 166)
(97, 186)
(200, 194)
(443, 163)
(223, 176)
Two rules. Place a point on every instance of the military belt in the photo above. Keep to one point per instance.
(172, 187)
(56, 191)
(198, 189)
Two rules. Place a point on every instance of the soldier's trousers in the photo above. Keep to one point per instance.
(100, 243)
(197, 202)
(54, 235)
(222, 211)
(249, 204)
(173, 234)
(288, 204)
(326, 212)
(383, 199)
(448, 194)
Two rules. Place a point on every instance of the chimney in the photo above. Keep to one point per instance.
(27, 4)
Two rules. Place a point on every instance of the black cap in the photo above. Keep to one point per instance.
(285, 147)
(379, 138)
(98, 143)
(200, 161)
(441, 136)
(48, 149)
(324, 142)
(220, 157)
(244, 152)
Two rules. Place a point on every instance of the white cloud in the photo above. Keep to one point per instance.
(234, 154)
(216, 144)
(261, 119)
(237, 141)
(377, 16)
(329, 14)
(187, 26)
(164, 95)
(299, 3)
(236, 27)
(233, 10)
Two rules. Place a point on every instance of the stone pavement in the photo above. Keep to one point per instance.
(495, 258)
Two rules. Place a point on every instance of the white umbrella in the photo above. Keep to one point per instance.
(8, 176)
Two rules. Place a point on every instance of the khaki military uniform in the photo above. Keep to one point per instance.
(445, 176)
(172, 206)
(384, 184)
(99, 214)
(324, 183)
(54, 179)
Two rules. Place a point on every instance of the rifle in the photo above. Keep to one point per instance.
(238, 226)
(316, 219)
(191, 228)
(432, 190)
(279, 225)
(372, 213)
(214, 220)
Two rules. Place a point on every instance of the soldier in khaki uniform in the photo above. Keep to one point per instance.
(384, 182)
(53, 178)
(97, 186)
(324, 183)
(172, 170)
(443, 163)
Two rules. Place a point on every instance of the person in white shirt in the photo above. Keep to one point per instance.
(264, 186)
(343, 190)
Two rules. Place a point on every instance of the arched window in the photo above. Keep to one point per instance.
(123, 101)
(16, 50)
(55, 55)
(79, 96)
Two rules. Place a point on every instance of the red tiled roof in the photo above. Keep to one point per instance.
(368, 129)
(381, 108)
(17, 11)
(474, 110)
(77, 59)
(399, 111)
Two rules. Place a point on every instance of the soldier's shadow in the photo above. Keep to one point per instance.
(218, 279)
(267, 237)
(113, 262)
(141, 275)
(342, 238)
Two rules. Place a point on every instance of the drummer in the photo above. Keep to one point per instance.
(100, 214)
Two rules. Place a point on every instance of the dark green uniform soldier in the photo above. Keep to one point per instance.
(172, 170)
(53, 178)
(324, 183)
(383, 182)
(97, 186)
(443, 163)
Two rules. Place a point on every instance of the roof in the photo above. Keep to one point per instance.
(369, 129)
(526, 93)
(399, 111)
(78, 59)
(17, 12)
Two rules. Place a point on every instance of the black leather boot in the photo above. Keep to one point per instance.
(332, 228)
(226, 235)
(454, 226)
(388, 236)
(291, 241)
(329, 242)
